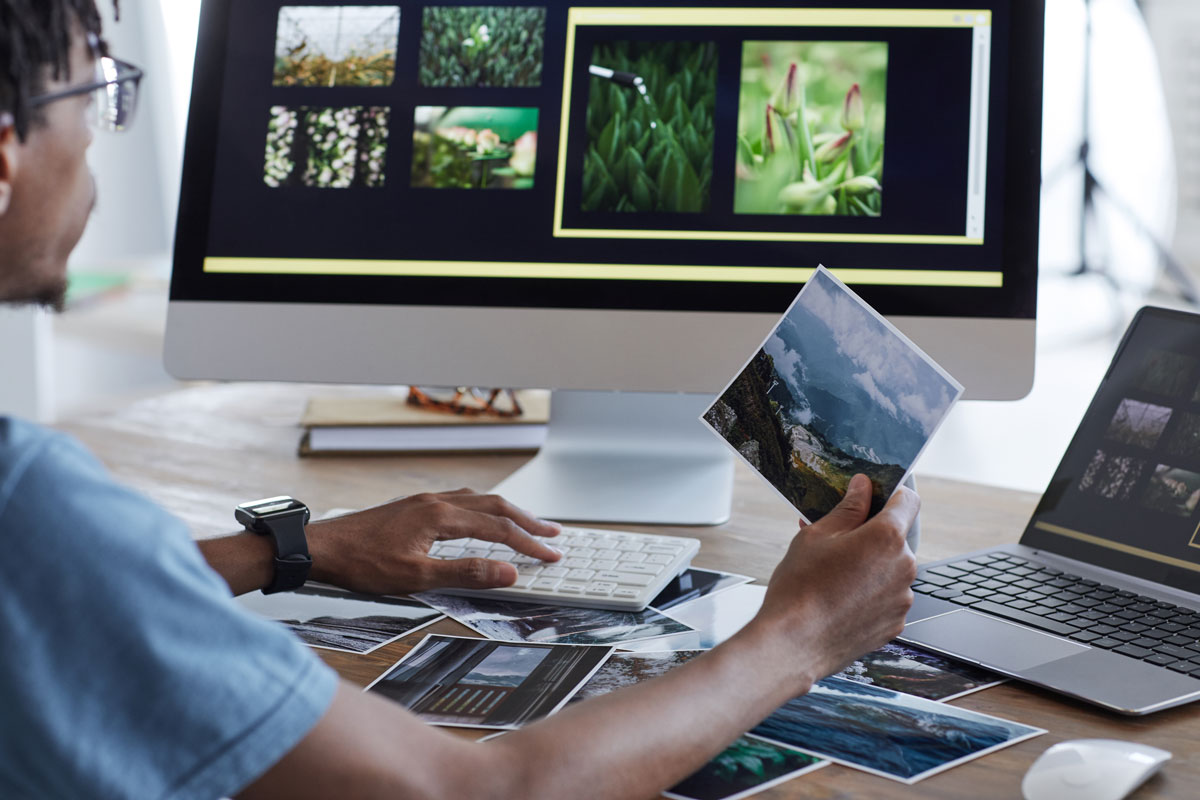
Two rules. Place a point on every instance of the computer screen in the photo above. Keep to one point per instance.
(601, 196)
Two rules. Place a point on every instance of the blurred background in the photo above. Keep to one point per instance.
(1141, 245)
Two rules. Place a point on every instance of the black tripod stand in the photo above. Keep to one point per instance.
(1093, 186)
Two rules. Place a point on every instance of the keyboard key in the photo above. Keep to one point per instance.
(658, 549)
(1124, 636)
(1135, 627)
(554, 572)
(546, 584)
(946, 594)
(632, 558)
(604, 563)
(1183, 665)
(575, 563)
(925, 588)
(1025, 617)
(1171, 627)
(600, 589)
(1150, 644)
(1103, 630)
(625, 592)
(571, 587)
(632, 579)
(946, 571)
(658, 559)
(1179, 640)
(1132, 651)
(1085, 636)
(1019, 604)
(642, 569)
(448, 552)
(1108, 643)
(1159, 659)
(530, 569)
(524, 581)
(1174, 650)
(608, 554)
(581, 574)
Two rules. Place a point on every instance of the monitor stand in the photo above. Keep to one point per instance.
(627, 457)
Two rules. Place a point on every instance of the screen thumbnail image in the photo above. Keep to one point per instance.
(1138, 424)
(1185, 440)
(482, 46)
(328, 148)
(650, 127)
(1173, 490)
(1111, 477)
(474, 147)
(1166, 373)
(336, 45)
(811, 128)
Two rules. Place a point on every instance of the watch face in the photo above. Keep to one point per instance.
(272, 506)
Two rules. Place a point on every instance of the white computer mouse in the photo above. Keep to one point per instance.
(1091, 769)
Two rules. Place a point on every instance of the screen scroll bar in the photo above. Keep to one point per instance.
(981, 61)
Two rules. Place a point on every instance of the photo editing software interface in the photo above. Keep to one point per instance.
(670, 157)
(1127, 493)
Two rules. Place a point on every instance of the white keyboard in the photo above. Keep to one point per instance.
(599, 569)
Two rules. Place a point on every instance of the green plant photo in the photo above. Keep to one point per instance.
(482, 46)
(650, 127)
(474, 147)
(811, 122)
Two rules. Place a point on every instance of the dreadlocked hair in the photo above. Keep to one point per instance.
(35, 40)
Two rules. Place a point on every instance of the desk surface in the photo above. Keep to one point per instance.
(202, 450)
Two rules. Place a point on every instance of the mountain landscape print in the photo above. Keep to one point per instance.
(835, 390)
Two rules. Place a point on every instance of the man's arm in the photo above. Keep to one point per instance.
(841, 590)
(384, 550)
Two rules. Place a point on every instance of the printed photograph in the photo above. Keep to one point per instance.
(475, 683)
(1185, 439)
(1111, 477)
(1167, 373)
(835, 390)
(694, 583)
(482, 46)
(718, 616)
(1138, 424)
(335, 620)
(327, 148)
(626, 669)
(474, 147)
(748, 766)
(887, 733)
(529, 622)
(650, 127)
(1173, 490)
(336, 45)
(904, 668)
(811, 128)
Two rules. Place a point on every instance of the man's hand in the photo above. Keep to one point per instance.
(385, 550)
(842, 589)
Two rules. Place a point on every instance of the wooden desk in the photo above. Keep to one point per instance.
(202, 450)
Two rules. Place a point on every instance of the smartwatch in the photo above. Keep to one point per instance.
(283, 519)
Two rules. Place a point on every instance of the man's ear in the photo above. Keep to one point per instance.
(8, 159)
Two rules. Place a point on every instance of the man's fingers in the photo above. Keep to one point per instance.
(498, 506)
(492, 528)
(851, 511)
(471, 573)
(901, 509)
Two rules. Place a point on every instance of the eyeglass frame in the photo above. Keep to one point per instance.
(134, 73)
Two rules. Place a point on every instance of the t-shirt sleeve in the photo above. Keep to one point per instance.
(127, 670)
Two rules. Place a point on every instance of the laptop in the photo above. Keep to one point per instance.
(1100, 598)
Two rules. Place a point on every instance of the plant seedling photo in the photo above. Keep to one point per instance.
(474, 147)
(811, 128)
(650, 127)
(336, 45)
(482, 46)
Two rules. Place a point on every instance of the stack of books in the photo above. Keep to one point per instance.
(386, 424)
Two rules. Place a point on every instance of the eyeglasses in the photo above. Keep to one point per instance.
(466, 401)
(115, 93)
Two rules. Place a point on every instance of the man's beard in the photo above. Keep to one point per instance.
(51, 295)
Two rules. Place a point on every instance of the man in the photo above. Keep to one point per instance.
(128, 671)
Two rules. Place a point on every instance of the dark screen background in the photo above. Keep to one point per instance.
(1156, 369)
(227, 210)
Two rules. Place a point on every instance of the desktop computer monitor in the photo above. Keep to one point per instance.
(597, 198)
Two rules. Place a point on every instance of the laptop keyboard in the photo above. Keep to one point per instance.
(1071, 606)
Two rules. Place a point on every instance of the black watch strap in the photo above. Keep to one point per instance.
(292, 561)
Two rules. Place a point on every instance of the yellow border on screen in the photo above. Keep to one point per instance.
(1124, 548)
(565, 271)
(742, 17)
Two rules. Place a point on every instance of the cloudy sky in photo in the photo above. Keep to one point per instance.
(895, 375)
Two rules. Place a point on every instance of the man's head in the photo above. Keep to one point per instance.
(46, 189)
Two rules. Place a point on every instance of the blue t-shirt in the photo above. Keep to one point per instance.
(126, 669)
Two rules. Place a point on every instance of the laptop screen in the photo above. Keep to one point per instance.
(1126, 496)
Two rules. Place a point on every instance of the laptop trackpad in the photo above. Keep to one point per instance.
(990, 641)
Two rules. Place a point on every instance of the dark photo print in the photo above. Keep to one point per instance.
(748, 766)
(1138, 424)
(476, 683)
(1167, 373)
(1111, 477)
(336, 45)
(482, 46)
(1173, 490)
(326, 148)
(650, 139)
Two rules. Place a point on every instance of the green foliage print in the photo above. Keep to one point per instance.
(654, 151)
(482, 46)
